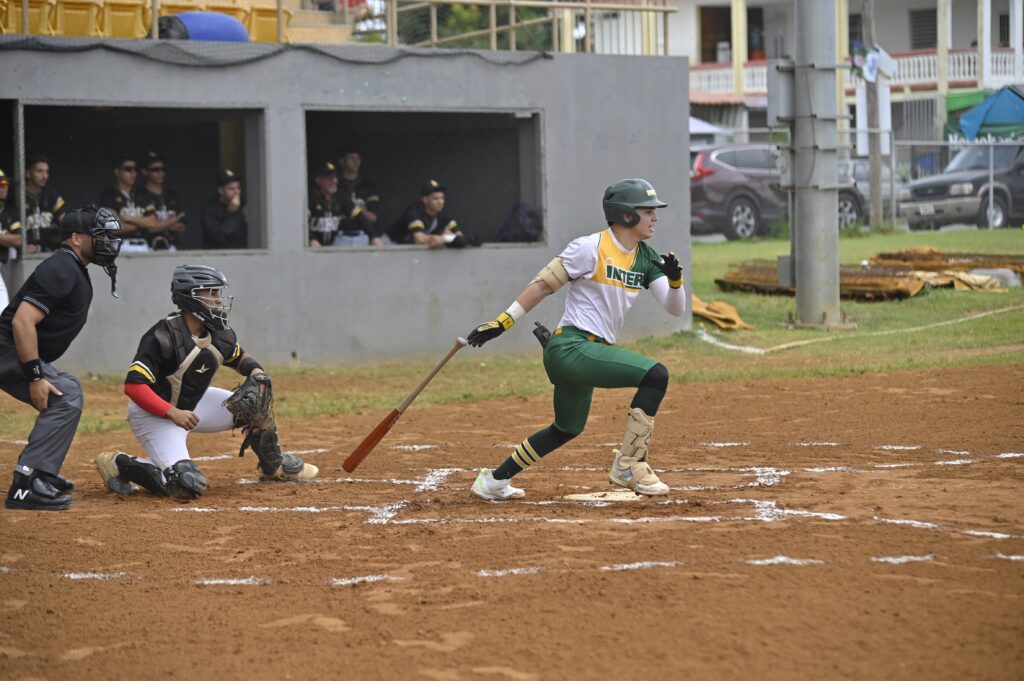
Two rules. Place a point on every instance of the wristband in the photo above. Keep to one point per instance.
(675, 283)
(515, 311)
(32, 370)
(247, 365)
(506, 320)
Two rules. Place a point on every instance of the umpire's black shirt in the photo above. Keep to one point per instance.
(61, 288)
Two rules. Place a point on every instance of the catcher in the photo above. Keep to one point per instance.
(169, 387)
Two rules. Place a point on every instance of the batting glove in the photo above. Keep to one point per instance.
(490, 330)
(671, 268)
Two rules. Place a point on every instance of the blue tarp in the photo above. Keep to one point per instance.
(1005, 107)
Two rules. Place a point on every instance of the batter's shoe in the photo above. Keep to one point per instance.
(291, 468)
(486, 487)
(637, 475)
(31, 492)
(110, 472)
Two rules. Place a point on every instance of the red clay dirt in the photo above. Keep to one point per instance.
(888, 509)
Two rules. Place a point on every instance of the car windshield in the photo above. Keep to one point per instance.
(976, 158)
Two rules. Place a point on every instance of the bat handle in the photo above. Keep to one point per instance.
(460, 343)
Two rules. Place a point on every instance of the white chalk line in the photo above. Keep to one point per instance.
(247, 581)
(1002, 556)
(899, 560)
(14, 442)
(922, 525)
(509, 571)
(99, 576)
(645, 565)
(784, 560)
(365, 579)
(413, 448)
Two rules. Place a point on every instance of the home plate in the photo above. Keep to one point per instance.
(607, 495)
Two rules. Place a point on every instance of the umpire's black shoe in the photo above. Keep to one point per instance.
(33, 493)
(63, 485)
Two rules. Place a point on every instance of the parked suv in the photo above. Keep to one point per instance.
(961, 192)
(736, 190)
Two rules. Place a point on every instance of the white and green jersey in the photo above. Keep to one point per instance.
(605, 282)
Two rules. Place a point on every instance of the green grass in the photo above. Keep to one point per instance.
(376, 387)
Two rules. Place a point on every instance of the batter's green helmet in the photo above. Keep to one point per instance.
(623, 198)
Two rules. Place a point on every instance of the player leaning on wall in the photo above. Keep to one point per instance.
(169, 386)
(605, 271)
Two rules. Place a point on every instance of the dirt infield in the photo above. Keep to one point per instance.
(869, 527)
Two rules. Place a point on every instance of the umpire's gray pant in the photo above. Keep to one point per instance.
(51, 437)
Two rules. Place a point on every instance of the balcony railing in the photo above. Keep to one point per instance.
(918, 69)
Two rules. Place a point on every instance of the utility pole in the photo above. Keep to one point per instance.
(874, 137)
(814, 176)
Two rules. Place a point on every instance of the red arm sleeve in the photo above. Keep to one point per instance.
(142, 395)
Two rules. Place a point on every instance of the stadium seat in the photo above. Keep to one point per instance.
(263, 21)
(179, 6)
(126, 18)
(40, 17)
(79, 17)
(233, 8)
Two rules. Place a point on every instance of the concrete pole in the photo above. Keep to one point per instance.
(874, 123)
(1016, 31)
(738, 18)
(944, 38)
(816, 223)
(984, 42)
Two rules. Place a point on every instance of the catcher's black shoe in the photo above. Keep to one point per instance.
(32, 492)
(109, 470)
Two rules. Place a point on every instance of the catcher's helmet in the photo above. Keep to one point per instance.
(623, 198)
(187, 292)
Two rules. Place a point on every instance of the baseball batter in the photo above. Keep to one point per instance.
(169, 386)
(606, 272)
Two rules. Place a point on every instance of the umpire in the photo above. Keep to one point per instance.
(36, 329)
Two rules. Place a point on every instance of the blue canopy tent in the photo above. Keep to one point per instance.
(1001, 115)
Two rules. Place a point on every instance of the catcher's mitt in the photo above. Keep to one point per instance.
(252, 404)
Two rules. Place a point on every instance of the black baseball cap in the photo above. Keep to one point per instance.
(325, 169)
(349, 149)
(431, 186)
(151, 158)
(122, 158)
(227, 176)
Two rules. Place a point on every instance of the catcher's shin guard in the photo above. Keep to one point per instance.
(273, 465)
(629, 467)
(185, 480)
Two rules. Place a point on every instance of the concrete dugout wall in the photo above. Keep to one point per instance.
(599, 118)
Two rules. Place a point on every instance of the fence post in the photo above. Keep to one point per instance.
(154, 30)
(433, 25)
(512, 25)
(280, 21)
(991, 182)
(588, 45)
(493, 17)
(24, 16)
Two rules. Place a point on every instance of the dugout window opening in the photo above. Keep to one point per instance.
(81, 143)
(488, 162)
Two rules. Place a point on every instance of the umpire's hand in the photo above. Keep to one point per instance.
(40, 391)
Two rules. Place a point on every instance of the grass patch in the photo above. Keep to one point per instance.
(474, 376)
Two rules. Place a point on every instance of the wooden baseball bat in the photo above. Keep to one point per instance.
(378, 433)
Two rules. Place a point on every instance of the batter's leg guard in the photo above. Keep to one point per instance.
(273, 465)
(629, 467)
(185, 480)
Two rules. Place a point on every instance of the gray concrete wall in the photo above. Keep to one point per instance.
(601, 118)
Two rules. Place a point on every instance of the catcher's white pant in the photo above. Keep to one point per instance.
(164, 441)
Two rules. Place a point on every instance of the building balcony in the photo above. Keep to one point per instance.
(916, 71)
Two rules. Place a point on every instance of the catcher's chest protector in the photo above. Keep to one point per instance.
(195, 363)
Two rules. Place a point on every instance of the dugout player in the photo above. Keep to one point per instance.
(224, 219)
(169, 386)
(606, 272)
(37, 327)
(168, 211)
(334, 219)
(138, 215)
(10, 234)
(44, 207)
(361, 190)
(427, 223)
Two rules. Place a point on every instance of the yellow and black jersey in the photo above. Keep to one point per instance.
(10, 223)
(417, 220)
(42, 218)
(164, 205)
(362, 192)
(131, 204)
(178, 366)
(328, 217)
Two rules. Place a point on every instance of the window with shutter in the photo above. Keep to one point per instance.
(924, 32)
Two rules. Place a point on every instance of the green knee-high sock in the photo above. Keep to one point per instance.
(531, 450)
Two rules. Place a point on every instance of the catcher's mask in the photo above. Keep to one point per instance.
(623, 198)
(199, 290)
(103, 225)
